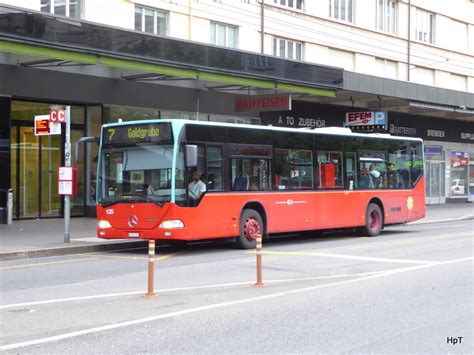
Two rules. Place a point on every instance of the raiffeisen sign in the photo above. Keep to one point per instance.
(258, 103)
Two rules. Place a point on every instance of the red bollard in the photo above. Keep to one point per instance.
(151, 269)
(258, 240)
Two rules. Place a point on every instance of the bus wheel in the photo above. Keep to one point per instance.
(373, 220)
(250, 225)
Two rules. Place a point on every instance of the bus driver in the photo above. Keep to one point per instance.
(196, 188)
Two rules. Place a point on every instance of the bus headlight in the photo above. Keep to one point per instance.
(170, 224)
(103, 224)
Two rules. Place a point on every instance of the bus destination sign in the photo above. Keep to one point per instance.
(140, 133)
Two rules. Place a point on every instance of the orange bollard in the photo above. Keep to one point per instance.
(258, 240)
(151, 269)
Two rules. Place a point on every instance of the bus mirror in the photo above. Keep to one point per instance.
(84, 140)
(191, 155)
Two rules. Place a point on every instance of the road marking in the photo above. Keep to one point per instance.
(360, 246)
(88, 257)
(252, 260)
(189, 288)
(452, 235)
(403, 241)
(344, 256)
(218, 305)
(44, 264)
(105, 256)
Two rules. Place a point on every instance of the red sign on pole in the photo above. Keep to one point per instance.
(44, 127)
(57, 116)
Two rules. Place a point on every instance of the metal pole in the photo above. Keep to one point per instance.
(262, 27)
(9, 206)
(151, 269)
(409, 41)
(258, 240)
(67, 161)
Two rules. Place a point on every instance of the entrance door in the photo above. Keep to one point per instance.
(34, 174)
(50, 158)
(435, 183)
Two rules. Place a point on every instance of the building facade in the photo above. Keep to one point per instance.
(411, 59)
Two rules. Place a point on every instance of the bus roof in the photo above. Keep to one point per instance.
(339, 131)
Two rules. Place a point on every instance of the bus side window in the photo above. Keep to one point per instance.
(214, 164)
(329, 170)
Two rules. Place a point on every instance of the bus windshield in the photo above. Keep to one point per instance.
(141, 173)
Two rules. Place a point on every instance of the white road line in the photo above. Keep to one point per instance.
(215, 306)
(189, 288)
(344, 256)
(383, 260)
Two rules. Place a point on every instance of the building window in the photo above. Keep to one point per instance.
(386, 15)
(341, 10)
(424, 26)
(287, 49)
(294, 4)
(69, 8)
(150, 20)
(224, 35)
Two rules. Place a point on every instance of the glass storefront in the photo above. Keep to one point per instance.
(471, 177)
(35, 161)
(459, 171)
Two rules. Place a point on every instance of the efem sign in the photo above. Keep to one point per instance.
(370, 121)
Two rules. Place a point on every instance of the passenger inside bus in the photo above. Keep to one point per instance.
(364, 178)
(393, 178)
(241, 182)
(375, 177)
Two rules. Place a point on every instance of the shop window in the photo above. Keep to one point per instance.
(459, 171)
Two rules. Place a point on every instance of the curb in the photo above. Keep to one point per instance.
(462, 218)
(76, 249)
(90, 248)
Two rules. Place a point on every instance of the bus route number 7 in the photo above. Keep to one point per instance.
(111, 133)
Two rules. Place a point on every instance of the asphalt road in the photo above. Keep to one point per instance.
(408, 290)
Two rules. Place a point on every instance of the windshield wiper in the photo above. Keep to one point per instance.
(156, 202)
(131, 199)
(111, 202)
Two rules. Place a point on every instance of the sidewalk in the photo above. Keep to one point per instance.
(41, 238)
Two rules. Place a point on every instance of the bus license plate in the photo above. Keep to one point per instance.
(133, 235)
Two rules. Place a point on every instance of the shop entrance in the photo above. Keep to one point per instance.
(35, 161)
(435, 182)
(34, 173)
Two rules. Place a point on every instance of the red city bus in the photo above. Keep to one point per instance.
(252, 179)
